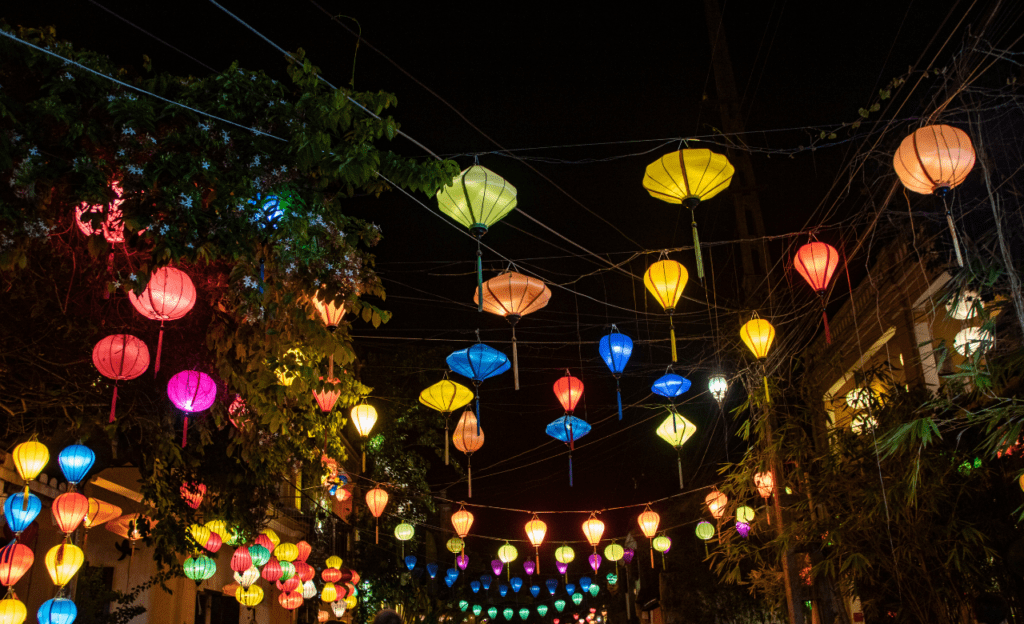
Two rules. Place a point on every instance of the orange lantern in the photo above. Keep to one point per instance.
(290, 600)
(594, 529)
(169, 296)
(15, 560)
(716, 502)
(513, 296)
(327, 396)
(765, 484)
(462, 520)
(933, 160)
(304, 550)
(322, 616)
(376, 500)
(468, 438)
(568, 390)
(100, 512)
(536, 529)
(649, 521)
(816, 262)
(69, 511)
(120, 357)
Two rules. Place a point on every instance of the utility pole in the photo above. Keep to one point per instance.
(744, 185)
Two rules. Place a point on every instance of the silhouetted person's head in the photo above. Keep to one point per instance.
(988, 609)
(387, 616)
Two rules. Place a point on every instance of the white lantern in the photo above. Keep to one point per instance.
(965, 306)
(718, 386)
(860, 398)
(973, 340)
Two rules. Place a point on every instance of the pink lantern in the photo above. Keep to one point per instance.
(191, 391)
(120, 356)
(327, 395)
(112, 226)
(462, 561)
(562, 567)
(169, 296)
(497, 566)
(530, 567)
(595, 561)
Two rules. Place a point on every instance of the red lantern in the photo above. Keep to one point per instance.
(290, 600)
(112, 225)
(120, 356)
(214, 543)
(238, 410)
(288, 586)
(303, 571)
(272, 570)
(331, 575)
(193, 493)
(816, 262)
(326, 397)
(376, 500)
(15, 561)
(169, 296)
(241, 560)
(69, 510)
(304, 551)
(568, 389)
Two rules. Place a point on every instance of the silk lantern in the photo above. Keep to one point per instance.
(63, 562)
(569, 391)
(364, 416)
(468, 438)
(615, 350)
(689, 177)
(241, 560)
(168, 296)
(536, 529)
(331, 311)
(662, 544)
(272, 570)
(309, 590)
(327, 395)
(199, 568)
(478, 362)
(765, 484)
(933, 160)
(666, 280)
(57, 611)
(376, 500)
(29, 460)
(260, 554)
(69, 510)
(486, 580)
(718, 385)
(338, 608)
(758, 335)
(613, 553)
(816, 262)
(552, 586)
(15, 560)
(270, 535)
(20, 510)
(542, 610)
(507, 554)
(120, 357)
(192, 492)
(191, 392)
(705, 531)
(455, 545)
(304, 550)
(716, 502)
(524, 613)
(446, 396)
(973, 340)
(568, 429)
(513, 295)
(676, 430)
(12, 610)
(477, 198)
(670, 385)
(290, 600)
(75, 462)
(286, 551)
(462, 561)
(649, 521)
(462, 520)
(593, 529)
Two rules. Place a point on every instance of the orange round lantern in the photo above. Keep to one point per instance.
(594, 529)
(15, 560)
(816, 262)
(272, 570)
(69, 511)
(536, 529)
(120, 357)
(304, 551)
(462, 520)
(468, 438)
(513, 295)
(169, 296)
(376, 500)
(331, 575)
(290, 600)
(569, 391)
(649, 521)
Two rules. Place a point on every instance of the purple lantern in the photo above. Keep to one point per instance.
(462, 561)
(496, 567)
(595, 561)
(530, 567)
(562, 567)
(627, 555)
(191, 391)
(743, 529)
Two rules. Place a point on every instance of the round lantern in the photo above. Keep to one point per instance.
(404, 532)
(199, 568)
(462, 520)
(478, 362)
(247, 577)
(75, 462)
(21, 510)
(593, 529)
(287, 585)
(286, 551)
(676, 430)
(260, 554)
(351, 602)
(965, 306)
(100, 512)
(241, 560)
(705, 530)
(304, 550)
(191, 391)
(290, 600)
(272, 570)
(15, 560)
(455, 545)
(716, 502)
(446, 396)
(322, 616)
(330, 575)
(200, 534)
(112, 222)
(468, 438)
(649, 521)
(613, 553)
(689, 177)
(666, 280)
(477, 198)
(376, 499)
(69, 510)
(329, 593)
(364, 417)
(718, 385)
(536, 529)
(513, 295)
(12, 611)
(287, 570)
(169, 296)
(120, 357)
(249, 596)
(263, 541)
(565, 554)
(508, 553)
(57, 611)
(63, 562)
(765, 484)
(816, 262)
(615, 350)
(973, 340)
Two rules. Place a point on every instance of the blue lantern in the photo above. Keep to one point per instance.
(478, 362)
(432, 569)
(503, 590)
(75, 462)
(410, 562)
(570, 589)
(615, 349)
(585, 583)
(452, 573)
(57, 611)
(20, 512)
(552, 585)
(449, 581)
(517, 584)
(485, 580)
(535, 590)
(475, 586)
(568, 429)
(670, 385)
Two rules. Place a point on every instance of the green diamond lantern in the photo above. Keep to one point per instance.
(594, 589)
(524, 613)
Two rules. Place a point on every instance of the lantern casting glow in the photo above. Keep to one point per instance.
(666, 280)
(616, 349)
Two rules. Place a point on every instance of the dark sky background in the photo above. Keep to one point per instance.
(637, 78)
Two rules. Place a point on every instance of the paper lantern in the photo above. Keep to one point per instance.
(552, 585)
(562, 568)
(595, 561)
(57, 611)
(860, 398)
(12, 611)
(765, 484)
(649, 521)
(565, 554)
(965, 305)
(405, 532)
(100, 512)
(248, 576)
(455, 545)
(376, 500)
(15, 560)
(192, 492)
(593, 529)
(220, 527)
(716, 502)
(199, 568)
(120, 357)
(613, 552)
(351, 602)
(241, 560)
(468, 438)
(542, 610)
(743, 528)
(568, 429)
(569, 391)
(260, 554)
(338, 608)
(191, 391)
(670, 385)
(515, 582)
(513, 296)
(973, 340)
(364, 417)
(329, 593)
(536, 529)
(477, 198)
(478, 362)
(665, 280)
(309, 590)
(577, 599)
(535, 590)
(303, 571)
(75, 462)
(462, 520)
(497, 565)
(615, 350)
(322, 616)
(62, 563)
(289, 585)
(485, 580)
(689, 177)
(474, 586)
(272, 570)
(508, 553)
(169, 296)
(705, 530)
(816, 262)
(585, 583)
(462, 561)
(29, 460)
(718, 385)
(559, 605)
(249, 596)
(744, 514)
(524, 613)
(330, 575)
(331, 311)
(200, 534)
(20, 510)
(676, 430)
(290, 600)
(627, 555)
(286, 551)
(933, 160)
(271, 536)
(446, 396)
(594, 590)
(304, 550)
(328, 394)
(69, 510)
(758, 335)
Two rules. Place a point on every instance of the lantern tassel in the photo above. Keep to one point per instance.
(469, 474)
(952, 233)
(679, 462)
(663, 561)
(570, 468)
(446, 440)
(652, 554)
(113, 403)
(537, 554)
(767, 397)
(478, 409)
(184, 433)
(479, 277)
(364, 460)
(618, 397)
(24, 498)
(377, 532)
(515, 358)
(672, 334)
(824, 318)
(696, 251)
(330, 367)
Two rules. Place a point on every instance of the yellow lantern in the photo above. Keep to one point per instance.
(249, 596)
(272, 536)
(593, 529)
(508, 553)
(334, 561)
(744, 514)
(329, 593)
(12, 611)
(758, 335)
(613, 553)
(462, 520)
(63, 562)
(286, 551)
(536, 529)
(446, 396)
(200, 534)
(364, 417)
(676, 430)
(29, 460)
(405, 532)
(565, 554)
(689, 177)
(351, 601)
(666, 280)
(455, 545)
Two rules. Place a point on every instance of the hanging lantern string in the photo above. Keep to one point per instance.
(952, 229)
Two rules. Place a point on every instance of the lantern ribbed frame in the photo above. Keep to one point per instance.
(121, 357)
(330, 575)
(565, 554)
(376, 500)
(21, 510)
(446, 396)
(404, 532)
(271, 535)
(513, 295)
(272, 570)
(676, 430)
(593, 529)
(364, 417)
(75, 462)
(665, 280)
(30, 458)
(169, 296)
(15, 560)
(57, 611)
(241, 560)
(63, 562)
(477, 197)
(69, 510)
(12, 611)
(934, 158)
(508, 553)
(705, 530)
(304, 550)
(286, 551)
(462, 520)
(613, 552)
(718, 386)
(249, 596)
(214, 542)
(329, 593)
(467, 436)
(192, 391)
(290, 600)
(816, 262)
(536, 529)
(455, 545)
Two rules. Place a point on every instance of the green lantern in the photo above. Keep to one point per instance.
(662, 543)
(199, 568)
(577, 598)
(744, 514)
(287, 570)
(542, 610)
(613, 578)
(477, 610)
(564, 554)
(508, 613)
(456, 545)
(463, 605)
(404, 532)
(594, 589)
(508, 553)
(492, 612)
(260, 555)
(705, 530)
(524, 613)
(560, 605)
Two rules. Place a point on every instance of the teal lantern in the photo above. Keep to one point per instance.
(508, 613)
(492, 612)
(559, 605)
(463, 606)
(524, 613)
(542, 610)
(577, 598)
(477, 610)
(287, 570)
(612, 578)
(594, 589)
(260, 555)
(199, 568)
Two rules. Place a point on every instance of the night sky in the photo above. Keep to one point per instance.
(638, 79)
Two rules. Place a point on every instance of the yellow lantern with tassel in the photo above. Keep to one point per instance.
(665, 280)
